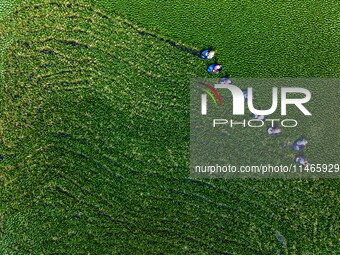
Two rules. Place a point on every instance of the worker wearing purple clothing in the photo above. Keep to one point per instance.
(214, 68)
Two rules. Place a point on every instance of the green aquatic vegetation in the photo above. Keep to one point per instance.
(95, 144)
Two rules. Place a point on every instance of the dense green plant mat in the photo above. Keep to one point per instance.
(275, 38)
(95, 143)
(5, 8)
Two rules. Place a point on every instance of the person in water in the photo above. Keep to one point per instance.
(300, 144)
(214, 68)
(301, 160)
(245, 94)
(207, 54)
(259, 117)
(224, 80)
(274, 131)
